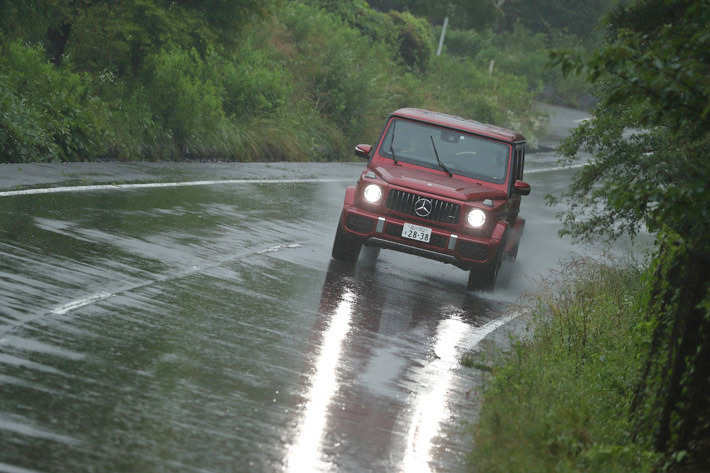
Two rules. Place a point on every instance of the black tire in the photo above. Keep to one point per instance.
(513, 253)
(483, 277)
(345, 247)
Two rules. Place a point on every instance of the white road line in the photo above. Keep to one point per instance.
(430, 405)
(558, 168)
(481, 332)
(100, 296)
(154, 185)
(81, 303)
(57, 190)
(276, 248)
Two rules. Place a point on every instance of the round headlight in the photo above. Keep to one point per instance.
(476, 218)
(372, 193)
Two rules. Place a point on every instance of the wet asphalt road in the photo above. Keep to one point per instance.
(205, 328)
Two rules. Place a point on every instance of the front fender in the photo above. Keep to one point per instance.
(350, 195)
(499, 231)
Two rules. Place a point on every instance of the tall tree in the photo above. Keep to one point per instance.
(578, 17)
(649, 138)
(142, 25)
(652, 127)
(462, 13)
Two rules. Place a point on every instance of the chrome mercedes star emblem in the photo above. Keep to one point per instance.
(423, 207)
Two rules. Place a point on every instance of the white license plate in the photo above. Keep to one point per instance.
(416, 232)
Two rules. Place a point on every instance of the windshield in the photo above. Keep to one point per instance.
(462, 153)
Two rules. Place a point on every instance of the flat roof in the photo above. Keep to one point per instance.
(463, 124)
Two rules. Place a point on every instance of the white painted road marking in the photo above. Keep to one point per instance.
(278, 248)
(54, 190)
(481, 332)
(100, 296)
(558, 168)
(81, 303)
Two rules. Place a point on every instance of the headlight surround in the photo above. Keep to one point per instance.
(476, 218)
(372, 193)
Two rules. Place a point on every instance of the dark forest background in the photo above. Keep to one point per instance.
(268, 80)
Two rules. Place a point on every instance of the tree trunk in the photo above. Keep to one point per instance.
(672, 402)
(57, 38)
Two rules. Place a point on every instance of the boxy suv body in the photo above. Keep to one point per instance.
(440, 187)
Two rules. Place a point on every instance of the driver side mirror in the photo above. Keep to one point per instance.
(363, 151)
(522, 188)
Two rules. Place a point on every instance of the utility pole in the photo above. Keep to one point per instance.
(443, 33)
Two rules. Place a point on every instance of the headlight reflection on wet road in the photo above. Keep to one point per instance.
(431, 406)
(304, 455)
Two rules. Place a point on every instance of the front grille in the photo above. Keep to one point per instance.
(360, 224)
(404, 202)
(472, 250)
(439, 241)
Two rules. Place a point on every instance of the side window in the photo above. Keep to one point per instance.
(519, 163)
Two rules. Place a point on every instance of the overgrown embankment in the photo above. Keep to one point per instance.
(560, 401)
(611, 378)
(244, 81)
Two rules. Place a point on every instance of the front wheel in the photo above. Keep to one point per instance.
(345, 247)
(483, 277)
(513, 253)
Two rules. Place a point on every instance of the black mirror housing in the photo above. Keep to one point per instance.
(522, 188)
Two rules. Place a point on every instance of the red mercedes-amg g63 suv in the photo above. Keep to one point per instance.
(441, 187)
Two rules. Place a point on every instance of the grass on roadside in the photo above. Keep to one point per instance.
(560, 400)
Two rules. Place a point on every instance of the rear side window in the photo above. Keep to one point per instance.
(518, 163)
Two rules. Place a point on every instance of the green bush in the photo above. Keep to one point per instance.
(188, 103)
(102, 41)
(521, 53)
(47, 112)
(461, 87)
(414, 36)
(465, 43)
(561, 400)
(319, 77)
(23, 137)
(518, 52)
(358, 14)
(253, 83)
(344, 75)
(411, 35)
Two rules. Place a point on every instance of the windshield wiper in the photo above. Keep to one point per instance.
(394, 158)
(436, 153)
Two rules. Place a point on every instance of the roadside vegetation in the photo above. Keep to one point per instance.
(560, 401)
(616, 375)
(261, 80)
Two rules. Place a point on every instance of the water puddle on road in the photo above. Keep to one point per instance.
(386, 385)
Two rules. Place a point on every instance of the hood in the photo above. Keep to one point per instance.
(443, 185)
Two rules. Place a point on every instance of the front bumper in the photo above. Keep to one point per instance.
(444, 245)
